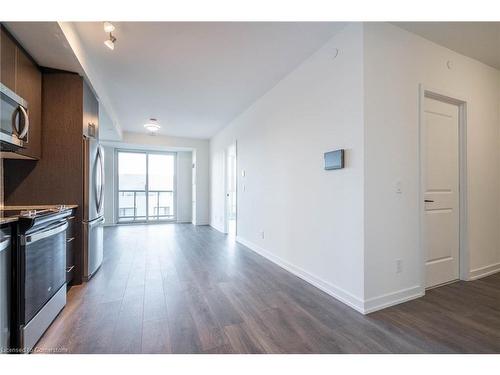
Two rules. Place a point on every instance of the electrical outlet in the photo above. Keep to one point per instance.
(399, 266)
(262, 234)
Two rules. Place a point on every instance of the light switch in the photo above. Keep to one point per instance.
(242, 173)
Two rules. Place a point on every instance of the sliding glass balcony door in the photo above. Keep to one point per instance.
(146, 186)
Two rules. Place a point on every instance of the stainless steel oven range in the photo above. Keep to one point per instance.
(40, 274)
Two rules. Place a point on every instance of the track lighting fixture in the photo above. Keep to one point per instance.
(110, 43)
(109, 28)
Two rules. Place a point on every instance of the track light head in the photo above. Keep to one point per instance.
(110, 43)
(109, 27)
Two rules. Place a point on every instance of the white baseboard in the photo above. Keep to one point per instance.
(481, 272)
(334, 291)
(202, 223)
(391, 299)
(362, 306)
(217, 228)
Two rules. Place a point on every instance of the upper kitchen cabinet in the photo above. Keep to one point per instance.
(90, 112)
(59, 176)
(29, 87)
(8, 60)
(22, 75)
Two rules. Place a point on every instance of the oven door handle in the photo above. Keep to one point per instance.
(5, 243)
(46, 233)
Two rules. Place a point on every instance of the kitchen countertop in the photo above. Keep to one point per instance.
(38, 207)
(7, 220)
(12, 219)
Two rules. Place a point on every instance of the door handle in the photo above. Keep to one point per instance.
(99, 190)
(5, 243)
(20, 111)
(428, 201)
(24, 132)
(26, 240)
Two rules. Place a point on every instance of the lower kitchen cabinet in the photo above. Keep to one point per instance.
(71, 246)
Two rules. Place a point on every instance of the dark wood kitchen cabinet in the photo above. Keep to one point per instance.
(58, 177)
(29, 87)
(21, 74)
(90, 112)
(8, 59)
(71, 236)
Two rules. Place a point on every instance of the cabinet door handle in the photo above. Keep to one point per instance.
(428, 201)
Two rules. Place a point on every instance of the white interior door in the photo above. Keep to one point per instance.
(440, 168)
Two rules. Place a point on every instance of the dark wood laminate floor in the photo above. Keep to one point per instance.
(177, 288)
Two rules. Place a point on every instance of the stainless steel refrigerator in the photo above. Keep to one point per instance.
(93, 214)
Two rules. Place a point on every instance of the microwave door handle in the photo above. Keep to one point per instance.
(26, 122)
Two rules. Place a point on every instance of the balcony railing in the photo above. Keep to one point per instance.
(134, 206)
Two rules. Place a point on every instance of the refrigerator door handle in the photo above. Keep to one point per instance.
(99, 190)
(102, 177)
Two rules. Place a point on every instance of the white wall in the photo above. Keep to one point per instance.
(344, 230)
(396, 62)
(184, 193)
(108, 130)
(312, 219)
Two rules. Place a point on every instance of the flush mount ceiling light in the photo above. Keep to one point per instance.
(152, 126)
(109, 28)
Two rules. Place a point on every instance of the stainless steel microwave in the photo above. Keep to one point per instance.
(14, 120)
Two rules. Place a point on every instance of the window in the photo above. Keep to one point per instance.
(146, 186)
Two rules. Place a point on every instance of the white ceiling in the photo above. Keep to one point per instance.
(195, 77)
(49, 46)
(46, 43)
(479, 40)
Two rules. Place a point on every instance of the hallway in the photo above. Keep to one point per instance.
(177, 288)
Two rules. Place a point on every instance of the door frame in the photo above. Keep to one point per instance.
(225, 165)
(117, 186)
(462, 103)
